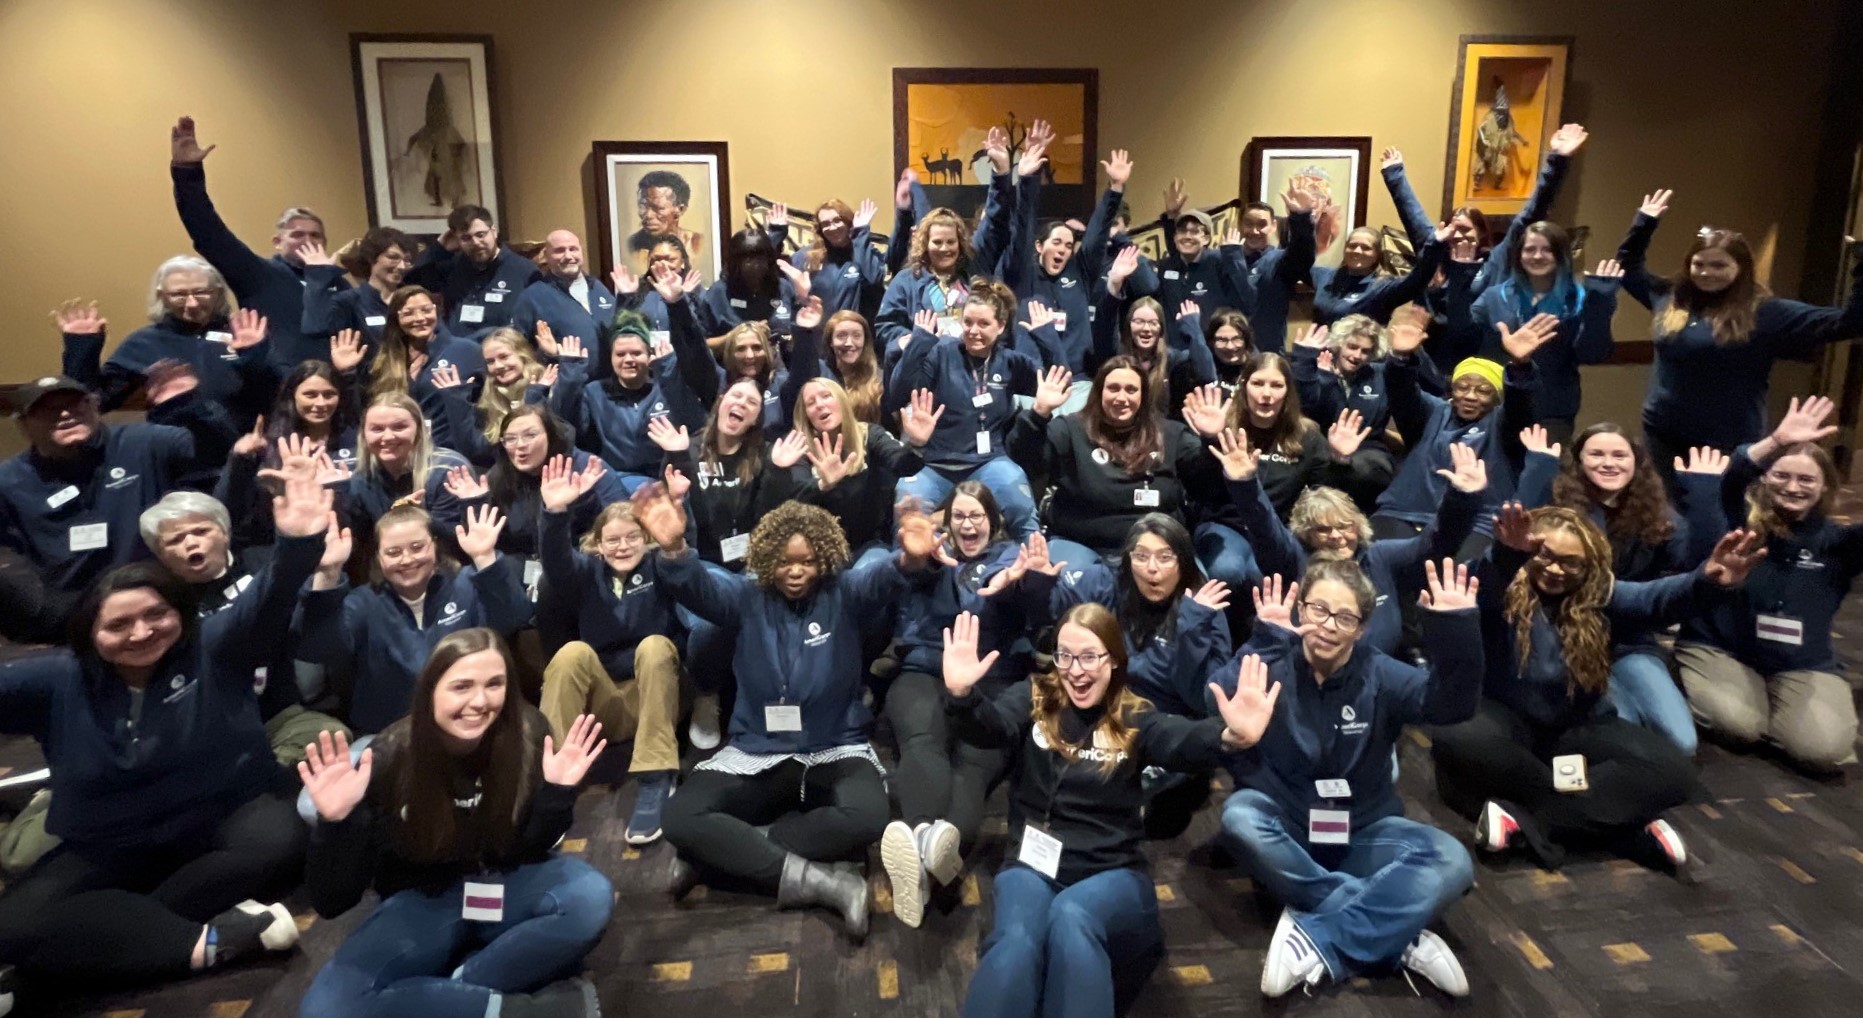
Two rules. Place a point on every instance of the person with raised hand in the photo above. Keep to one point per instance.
(1475, 414)
(381, 259)
(419, 357)
(1361, 285)
(797, 757)
(452, 816)
(514, 377)
(1075, 928)
(854, 467)
(1276, 269)
(165, 792)
(398, 463)
(1133, 325)
(1190, 271)
(851, 360)
(845, 268)
(477, 276)
(274, 286)
(1763, 667)
(1546, 765)
(1359, 890)
(757, 286)
(373, 639)
(1340, 368)
(566, 300)
(1610, 479)
(747, 353)
(1718, 330)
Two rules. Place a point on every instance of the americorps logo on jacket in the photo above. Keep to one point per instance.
(851, 272)
(817, 635)
(1352, 725)
(450, 614)
(120, 478)
(1806, 560)
(178, 687)
(1067, 283)
(1100, 457)
(1101, 750)
(1074, 577)
(1367, 391)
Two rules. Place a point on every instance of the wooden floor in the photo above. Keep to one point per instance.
(1775, 928)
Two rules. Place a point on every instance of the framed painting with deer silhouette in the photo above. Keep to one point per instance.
(423, 103)
(1507, 101)
(662, 200)
(941, 116)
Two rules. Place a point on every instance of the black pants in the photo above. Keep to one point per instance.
(1635, 776)
(824, 813)
(1367, 474)
(135, 915)
(939, 777)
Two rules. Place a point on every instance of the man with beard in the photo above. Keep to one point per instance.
(478, 278)
(563, 302)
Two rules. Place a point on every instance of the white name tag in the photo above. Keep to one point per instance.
(948, 326)
(494, 298)
(533, 571)
(472, 313)
(982, 399)
(1569, 773)
(1060, 321)
(90, 536)
(375, 321)
(659, 336)
(61, 497)
(983, 443)
(1780, 629)
(1171, 274)
(1041, 851)
(1335, 788)
(484, 903)
(1329, 827)
(738, 303)
(219, 337)
(782, 717)
(1147, 497)
(735, 547)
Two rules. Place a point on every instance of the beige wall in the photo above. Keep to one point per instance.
(1719, 101)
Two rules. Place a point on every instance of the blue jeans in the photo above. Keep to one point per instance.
(1001, 475)
(1226, 555)
(632, 482)
(1362, 903)
(1645, 694)
(1052, 951)
(405, 959)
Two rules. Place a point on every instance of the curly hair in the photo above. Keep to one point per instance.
(812, 523)
(1584, 633)
(1359, 327)
(1321, 506)
(921, 238)
(1116, 731)
(1641, 513)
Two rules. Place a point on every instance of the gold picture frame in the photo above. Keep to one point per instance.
(1508, 99)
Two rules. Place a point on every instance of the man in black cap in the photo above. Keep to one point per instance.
(1189, 272)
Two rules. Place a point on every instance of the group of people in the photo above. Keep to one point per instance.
(395, 557)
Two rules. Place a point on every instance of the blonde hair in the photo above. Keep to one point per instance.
(420, 459)
(495, 401)
(853, 430)
(613, 512)
(223, 294)
(1321, 503)
(921, 239)
(1359, 327)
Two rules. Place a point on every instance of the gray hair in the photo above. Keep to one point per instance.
(223, 303)
(1321, 503)
(181, 505)
(1359, 327)
(297, 212)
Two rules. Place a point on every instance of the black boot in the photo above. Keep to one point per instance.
(808, 884)
(682, 877)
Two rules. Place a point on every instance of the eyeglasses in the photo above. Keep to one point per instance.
(1471, 389)
(1161, 559)
(1566, 563)
(1319, 615)
(516, 438)
(1065, 660)
(618, 543)
(188, 295)
(969, 517)
(1335, 529)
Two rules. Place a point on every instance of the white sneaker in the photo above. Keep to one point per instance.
(1293, 959)
(905, 868)
(1429, 957)
(702, 731)
(281, 934)
(938, 849)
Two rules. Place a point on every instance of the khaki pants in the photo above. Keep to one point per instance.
(1810, 715)
(645, 707)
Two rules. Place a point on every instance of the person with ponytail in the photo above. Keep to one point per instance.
(1545, 728)
(1763, 667)
(1718, 330)
(452, 816)
(1075, 931)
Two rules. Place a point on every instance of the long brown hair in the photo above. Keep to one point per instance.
(752, 439)
(1733, 311)
(389, 372)
(1285, 434)
(1641, 512)
(419, 778)
(862, 381)
(1121, 704)
(1158, 376)
(1584, 634)
(1763, 516)
(1137, 447)
(818, 251)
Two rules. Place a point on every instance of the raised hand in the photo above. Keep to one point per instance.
(545, 338)
(571, 349)
(779, 216)
(657, 508)
(1656, 202)
(1535, 438)
(168, 379)
(313, 253)
(1409, 325)
(902, 191)
(478, 538)
(1247, 713)
(252, 443)
(1003, 578)
(863, 216)
(825, 456)
(809, 314)
(996, 146)
(1233, 452)
(79, 318)
(1232, 237)
(302, 510)
(1392, 157)
(446, 376)
(184, 147)
(1188, 309)
(1347, 433)
(1567, 139)
(926, 320)
(249, 329)
(1035, 148)
(1537, 332)
(556, 485)
(1118, 167)
(625, 283)
(1052, 390)
(549, 377)
(1315, 337)
(1297, 200)
(798, 279)
(667, 284)
(1513, 527)
(1175, 197)
(662, 432)
(1039, 560)
(963, 669)
(788, 451)
(1734, 556)
(920, 418)
(346, 351)
(1608, 269)
(1039, 315)
(1275, 605)
(1703, 459)
(335, 785)
(677, 484)
(918, 539)
(463, 484)
(1125, 263)
(1206, 410)
(1214, 595)
(569, 763)
(1468, 471)
(297, 459)
(338, 542)
(417, 362)
(1804, 422)
(1451, 589)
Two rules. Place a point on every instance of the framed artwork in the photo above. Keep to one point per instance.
(650, 194)
(1508, 99)
(424, 106)
(941, 114)
(1339, 168)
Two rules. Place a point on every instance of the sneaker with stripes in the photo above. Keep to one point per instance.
(1293, 959)
(1496, 829)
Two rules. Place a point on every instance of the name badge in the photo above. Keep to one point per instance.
(1060, 321)
(983, 443)
(1335, 788)
(471, 313)
(483, 903)
(494, 298)
(59, 498)
(738, 303)
(1172, 274)
(982, 399)
(1041, 851)
(1780, 629)
(223, 338)
(949, 326)
(1329, 827)
(90, 536)
(1147, 497)
(735, 547)
(782, 717)
(1569, 773)
(659, 336)
(533, 571)
(375, 321)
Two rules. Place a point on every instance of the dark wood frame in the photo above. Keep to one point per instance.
(1450, 170)
(604, 215)
(1087, 77)
(1251, 164)
(356, 41)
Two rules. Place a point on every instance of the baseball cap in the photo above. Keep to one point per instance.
(1200, 216)
(26, 395)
